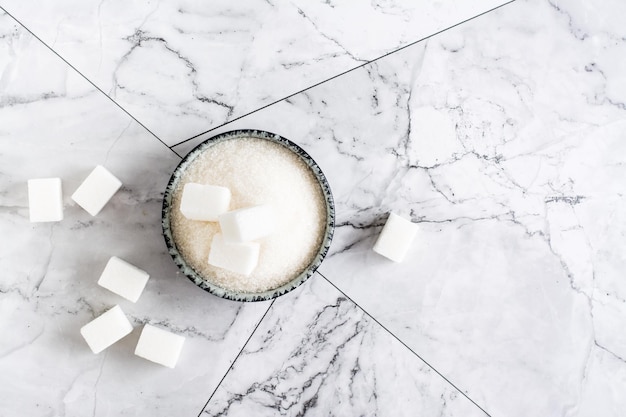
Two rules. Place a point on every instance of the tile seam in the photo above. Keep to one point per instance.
(89, 81)
(403, 344)
(237, 357)
(344, 73)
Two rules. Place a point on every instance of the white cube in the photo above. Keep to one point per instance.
(96, 190)
(160, 346)
(234, 256)
(247, 224)
(204, 202)
(123, 279)
(45, 200)
(395, 239)
(108, 328)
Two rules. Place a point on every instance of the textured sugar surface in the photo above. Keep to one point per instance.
(257, 172)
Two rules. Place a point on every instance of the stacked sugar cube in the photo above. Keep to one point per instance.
(257, 172)
(236, 248)
(120, 277)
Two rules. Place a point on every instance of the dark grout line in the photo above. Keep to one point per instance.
(237, 357)
(176, 153)
(344, 72)
(88, 80)
(257, 110)
(403, 344)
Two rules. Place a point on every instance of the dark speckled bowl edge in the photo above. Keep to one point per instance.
(191, 273)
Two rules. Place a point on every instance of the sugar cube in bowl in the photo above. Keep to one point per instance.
(290, 207)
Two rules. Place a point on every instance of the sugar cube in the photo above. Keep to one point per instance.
(96, 190)
(396, 237)
(234, 256)
(123, 279)
(247, 224)
(108, 328)
(204, 202)
(45, 200)
(160, 346)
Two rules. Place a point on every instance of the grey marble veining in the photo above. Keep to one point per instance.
(317, 354)
(181, 67)
(503, 139)
(53, 123)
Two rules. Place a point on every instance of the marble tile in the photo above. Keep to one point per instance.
(317, 354)
(53, 123)
(503, 139)
(182, 67)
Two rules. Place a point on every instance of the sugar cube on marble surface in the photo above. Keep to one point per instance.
(123, 279)
(108, 328)
(159, 346)
(204, 202)
(395, 239)
(240, 257)
(247, 224)
(96, 190)
(45, 200)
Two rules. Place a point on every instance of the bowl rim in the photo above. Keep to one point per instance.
(197, 278)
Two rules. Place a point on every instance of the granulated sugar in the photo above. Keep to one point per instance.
(256, 171)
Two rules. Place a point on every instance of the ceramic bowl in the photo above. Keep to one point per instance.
(201, 281)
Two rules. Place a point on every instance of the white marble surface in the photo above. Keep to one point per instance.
(316, 353)
(502, 137)
(182, 67)
(53, 123)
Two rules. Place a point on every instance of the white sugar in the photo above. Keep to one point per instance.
(204, 202)
(123, 279)
(45, 200)
(159, 346)
(96, 190)
(108, 328)
(257, 172)
(396, 237)
(247, 224)
(241, 257)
